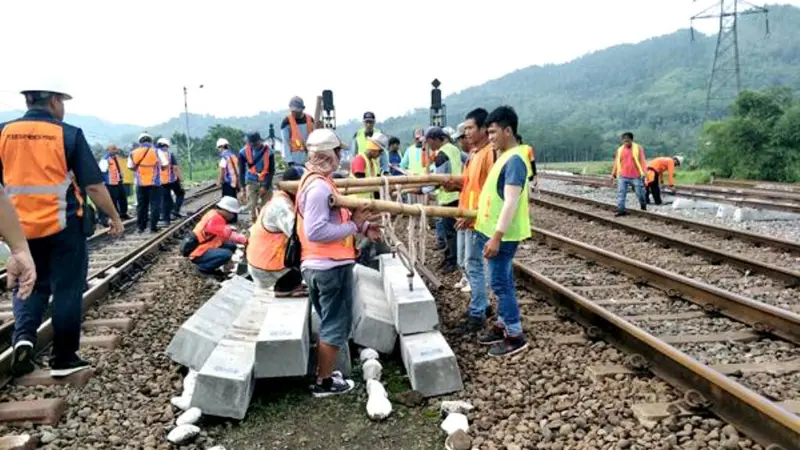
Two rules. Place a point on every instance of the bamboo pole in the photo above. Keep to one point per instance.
(401, 208)
(363, 189)
(427, 180)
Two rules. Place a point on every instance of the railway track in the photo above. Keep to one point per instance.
(780, 200)
(736, 269)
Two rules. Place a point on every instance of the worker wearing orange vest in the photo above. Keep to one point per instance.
(45, 165)
(655, 176)
(111, 167)
(146, 162)
(629, 170)
(256, 167)
(266, 247)
(328, 254)
(217, 241)
(295, 129)
(170, 182)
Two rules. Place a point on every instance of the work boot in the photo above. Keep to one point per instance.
(620, 214)
(643, 207)
(22, 359)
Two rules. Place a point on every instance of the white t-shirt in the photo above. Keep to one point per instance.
(103, 165)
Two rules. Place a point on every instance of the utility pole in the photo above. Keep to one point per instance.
(725, 80)
(188, 137)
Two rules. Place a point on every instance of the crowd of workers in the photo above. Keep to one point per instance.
(46, 217)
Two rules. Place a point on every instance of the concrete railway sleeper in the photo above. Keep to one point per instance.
(677, 255)
(673, 327)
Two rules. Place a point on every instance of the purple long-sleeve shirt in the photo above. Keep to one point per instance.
(323, 224)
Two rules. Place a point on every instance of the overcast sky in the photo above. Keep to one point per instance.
(127, 61)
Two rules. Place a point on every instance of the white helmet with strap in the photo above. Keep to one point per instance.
(323, 139)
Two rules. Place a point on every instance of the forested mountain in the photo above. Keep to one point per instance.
(574, 111)
(96, 129)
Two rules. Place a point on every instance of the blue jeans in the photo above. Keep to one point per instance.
(477, 274)
(331, 293)
(62, 263)
(501, 279)
(215, 258)
(463, 248)
(440, 233)
(623, 185)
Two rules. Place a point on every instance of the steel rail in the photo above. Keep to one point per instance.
(713, 300)
(759, 418)
(727, 233)
(771, 185)
(100, 286)
(104, 232)
(789, 276)
(767, 194)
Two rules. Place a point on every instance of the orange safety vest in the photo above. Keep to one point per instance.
(248, 154)
(114, 170)
(339, 250)
(207, 241)
(296, 141)
(147, 166)
(36, 176)
(475, 174)
(266, 249)
(166, 171)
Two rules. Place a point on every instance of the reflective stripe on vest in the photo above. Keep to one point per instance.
(635, 149)
(480, 163)
(207, 241)
(415, 165)
(454, 155)
(147, 165)
(338, 251)
(296, 141)
(372, 169)
(251, 164)
(231, 168)
(490, 203)
(361, 139)
(266, 249)
(36, 176)
(114, 174)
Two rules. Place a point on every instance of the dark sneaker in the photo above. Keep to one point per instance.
(125, 217)
(508, 346)
(60, 369)
(440, 246)
(489, 311)
(471, 325)
(643, 207)
(620, 214)
(22, 359)
(493, 336)
(332, 386)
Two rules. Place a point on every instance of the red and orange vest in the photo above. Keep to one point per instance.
(266, 249)
(251, 163)
(207, 240)
(296, 141)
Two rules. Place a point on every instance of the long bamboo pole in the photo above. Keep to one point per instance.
(428, 180)
(365, 189)
(401, 208)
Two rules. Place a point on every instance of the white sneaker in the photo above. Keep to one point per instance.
(461, 283)
(467, 288)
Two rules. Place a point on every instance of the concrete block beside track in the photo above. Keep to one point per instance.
(198, 337)
(284, 343)
(373, 322)
(430, 363)
(414, 311)
(226, 381)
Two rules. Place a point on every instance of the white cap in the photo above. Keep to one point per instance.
(229, 204)
(449, 131)
(221, 142)
(144, 136)
(459, 131)
(380, 139)
(163, 141)
(323, 139)
(680, 159)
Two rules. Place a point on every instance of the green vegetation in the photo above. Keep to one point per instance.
(761, 140)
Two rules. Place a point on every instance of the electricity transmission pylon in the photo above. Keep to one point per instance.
(725, 81)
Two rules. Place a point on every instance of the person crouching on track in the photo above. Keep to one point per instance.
(655, 176)
(266, 247)
(328, 253)
(503, 221)
(217, 241)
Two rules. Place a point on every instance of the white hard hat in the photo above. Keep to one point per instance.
(323, 139)
(380, 139)
(163, 141)
(459, 131)
(48, 89)
(679, 159)
(144, 136)
(449, 131)
(229, 204)
(221, 142)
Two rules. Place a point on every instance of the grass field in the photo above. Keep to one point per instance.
(682, 176)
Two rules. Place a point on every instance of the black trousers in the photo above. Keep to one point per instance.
(119, 200)
(449, 227)
(289, 282)
(228, 190)
(171, 206)
(148, 201)
(655, 189)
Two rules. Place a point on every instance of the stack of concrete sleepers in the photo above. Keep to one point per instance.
(430, 362)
